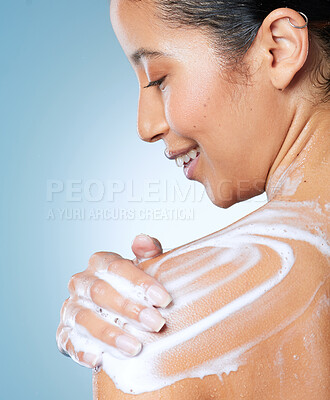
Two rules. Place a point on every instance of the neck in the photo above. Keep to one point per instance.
(309, 129)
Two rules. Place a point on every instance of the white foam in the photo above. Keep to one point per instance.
(241, 246)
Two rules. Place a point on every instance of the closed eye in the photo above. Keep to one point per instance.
(156, 83)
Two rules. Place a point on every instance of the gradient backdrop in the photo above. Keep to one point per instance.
(75, 179)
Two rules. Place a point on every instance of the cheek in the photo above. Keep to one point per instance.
(188, 109)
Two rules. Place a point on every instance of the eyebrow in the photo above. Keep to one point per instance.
(146, 53)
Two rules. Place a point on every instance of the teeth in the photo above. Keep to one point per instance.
(179, 161)
(191, 155)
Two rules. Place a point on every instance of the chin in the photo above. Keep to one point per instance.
(223, 203)
(224, 196)
(220, 200)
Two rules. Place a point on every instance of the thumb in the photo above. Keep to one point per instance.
(144, 247)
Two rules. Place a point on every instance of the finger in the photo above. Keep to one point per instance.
(64, 306)
(124, 277)
(144, 247)
(133, 283)
(98, 261)
(111, 268)
(103, 294)
(101, 259)
(107, 333)
(66, 347)
(106, 297)
(79, 284)
(61, 338)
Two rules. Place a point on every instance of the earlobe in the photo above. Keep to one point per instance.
(286, 43)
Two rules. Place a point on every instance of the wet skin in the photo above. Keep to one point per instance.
(268, 131)
(288, 325)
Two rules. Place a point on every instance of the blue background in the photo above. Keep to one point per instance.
(68, 100)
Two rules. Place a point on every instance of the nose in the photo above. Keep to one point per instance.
(151, 120)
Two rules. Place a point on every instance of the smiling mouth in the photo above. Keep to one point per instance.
(186, 159)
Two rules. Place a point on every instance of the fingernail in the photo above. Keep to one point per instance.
(129, 345)
(143, 237)
(151, 319)
(158, 296)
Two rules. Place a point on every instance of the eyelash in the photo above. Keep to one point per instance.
(156, 83)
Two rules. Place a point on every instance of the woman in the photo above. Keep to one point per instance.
(238, 91)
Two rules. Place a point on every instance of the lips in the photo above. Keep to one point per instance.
(187, 158)
(189, 168)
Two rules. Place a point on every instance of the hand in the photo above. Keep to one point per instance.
(110, 294)
(145, 247)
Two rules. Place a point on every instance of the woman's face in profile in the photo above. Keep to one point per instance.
(199, 104)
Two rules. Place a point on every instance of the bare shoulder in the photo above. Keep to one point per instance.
(249, 318)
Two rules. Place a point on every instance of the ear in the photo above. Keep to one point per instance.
(286, 47)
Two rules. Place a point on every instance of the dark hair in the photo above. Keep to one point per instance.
(233, 25)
